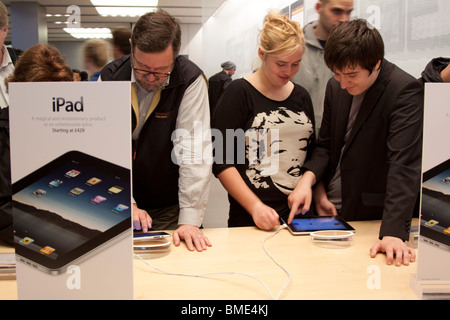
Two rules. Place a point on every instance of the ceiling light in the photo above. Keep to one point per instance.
(65, 22)
(57, 15)
(123, 11)
(89, 33)
(124, 8)
(125, 3)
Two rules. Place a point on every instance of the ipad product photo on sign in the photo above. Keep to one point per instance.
(433, 266)
(72, 190)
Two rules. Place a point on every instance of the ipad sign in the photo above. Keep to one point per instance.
(72, 233)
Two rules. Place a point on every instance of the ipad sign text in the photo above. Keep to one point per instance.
(61, 104)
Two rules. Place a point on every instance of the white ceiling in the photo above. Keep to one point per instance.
(187, 11)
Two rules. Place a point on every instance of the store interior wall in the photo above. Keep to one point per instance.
(414, 31)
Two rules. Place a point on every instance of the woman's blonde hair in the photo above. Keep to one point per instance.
(280, 34)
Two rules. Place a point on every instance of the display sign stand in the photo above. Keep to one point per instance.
(71, 179)
(430, 290)
(432, 280)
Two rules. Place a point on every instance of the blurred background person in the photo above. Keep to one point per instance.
(121, 41)
(76, 75)
(84, 76)
(7, 57)
(219, 82)
(97, 53)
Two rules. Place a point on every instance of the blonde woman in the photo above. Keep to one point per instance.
(277, 118)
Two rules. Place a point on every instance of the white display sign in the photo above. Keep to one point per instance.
(71, 175)
(433, 270)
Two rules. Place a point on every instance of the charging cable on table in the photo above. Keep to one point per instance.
(209, 274)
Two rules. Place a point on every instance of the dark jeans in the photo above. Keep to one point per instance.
(165, 218)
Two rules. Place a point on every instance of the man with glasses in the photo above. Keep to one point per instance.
(170, 108)
(314, 74)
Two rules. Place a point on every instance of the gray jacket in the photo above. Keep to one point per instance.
(314, 73)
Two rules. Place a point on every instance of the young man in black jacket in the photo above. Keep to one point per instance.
(368, 158)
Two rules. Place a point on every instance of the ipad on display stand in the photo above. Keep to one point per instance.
(301, 225)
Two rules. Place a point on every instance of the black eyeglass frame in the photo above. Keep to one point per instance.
(157, 75)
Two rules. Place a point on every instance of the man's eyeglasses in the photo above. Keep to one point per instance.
(157, 75)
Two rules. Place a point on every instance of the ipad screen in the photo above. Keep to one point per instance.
(74, 204)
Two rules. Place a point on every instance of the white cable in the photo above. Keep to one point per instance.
(231, 273)
(276, 262)
(206, 274)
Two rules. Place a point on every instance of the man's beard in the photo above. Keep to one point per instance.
(151, 87)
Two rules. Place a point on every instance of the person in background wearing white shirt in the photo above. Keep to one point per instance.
(6, 69)
(170, 111)
(7, 66)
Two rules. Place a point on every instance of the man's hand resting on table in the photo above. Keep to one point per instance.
(395, 249)
(193, 236)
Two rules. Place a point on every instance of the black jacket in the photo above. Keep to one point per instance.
(381, 164)
(217, 84)
(6, 227)
(432, 72)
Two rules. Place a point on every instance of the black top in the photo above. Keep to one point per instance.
(267, 141)
(5, 168)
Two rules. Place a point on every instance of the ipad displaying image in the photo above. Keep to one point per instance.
(435, 215)
(306, 225)
(69, 209)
